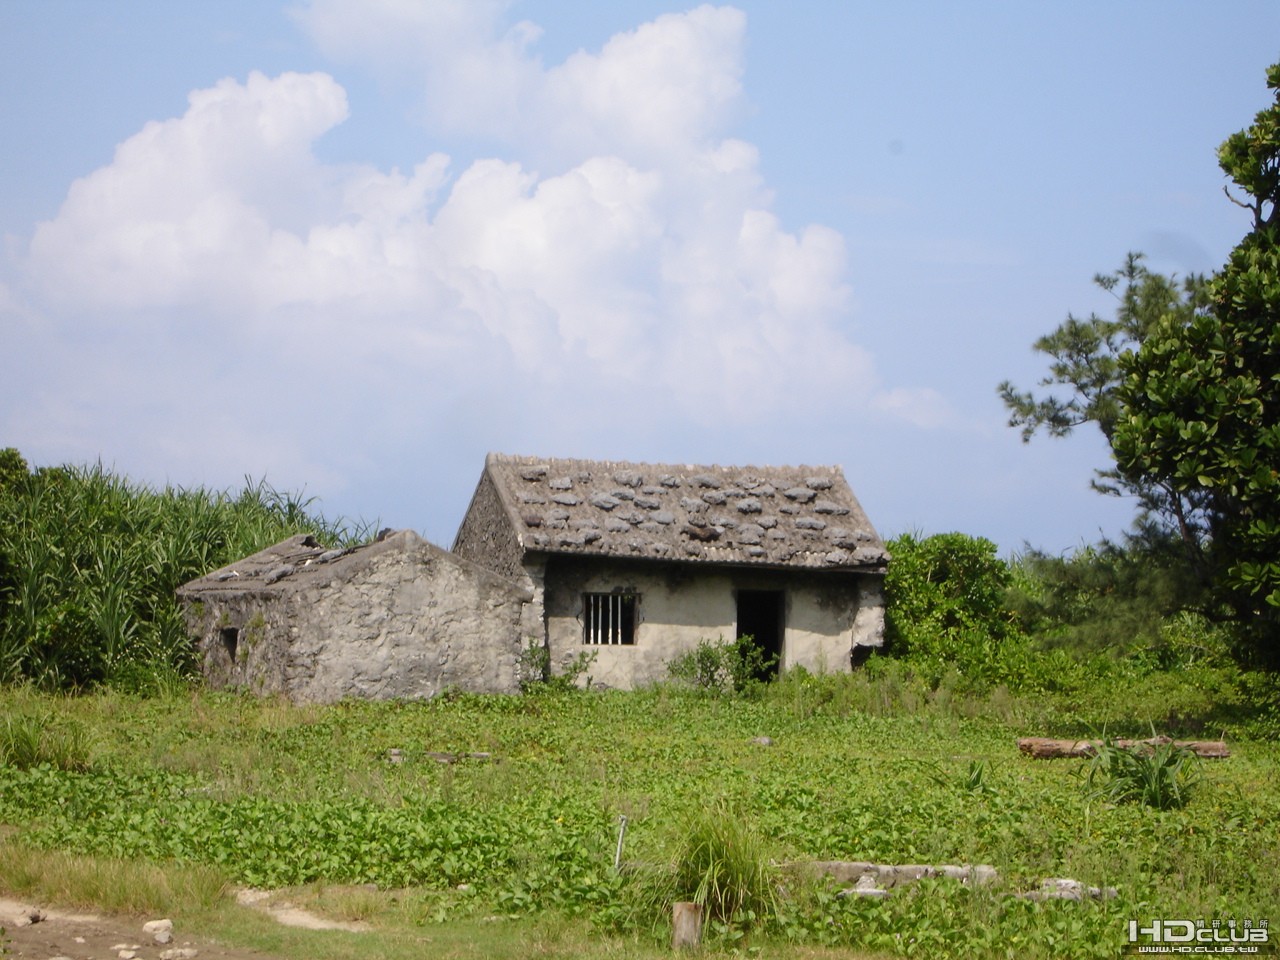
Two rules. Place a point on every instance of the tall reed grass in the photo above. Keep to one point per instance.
(89, 563)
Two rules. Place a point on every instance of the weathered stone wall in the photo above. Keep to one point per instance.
(413, 621)
(825, 615)
(486, 537)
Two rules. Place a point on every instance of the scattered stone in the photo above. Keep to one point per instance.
(180, 953)
(395, 755)
(166, 926)
(713, 497)
(707, 480)
(561, 483)
(829, 507)
(749, 505)
(648, 503)
(702, 533)
(614, 525)
(762, 741)
(818, 483)
(865, 887)
(533, 474)
(280, 572)
(1064, 888)
(28, 917)
(628, 478)
(667, 480)
(566, 500)
(799, 494)
(810, 523)
(602, 501)
(532, 520)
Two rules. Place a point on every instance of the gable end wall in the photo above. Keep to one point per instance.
(486, 538)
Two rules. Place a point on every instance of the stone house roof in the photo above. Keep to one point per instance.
(797, 516)
(301, 562)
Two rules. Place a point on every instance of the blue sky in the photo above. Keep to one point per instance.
(352, 246)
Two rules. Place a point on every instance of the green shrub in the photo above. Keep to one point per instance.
(534, 668)
(946, 609)
(721, 667)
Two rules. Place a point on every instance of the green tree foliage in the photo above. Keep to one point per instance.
(1086, 373)
(89, 564)
(1202, 398)
(1107, 597)
(945, 606)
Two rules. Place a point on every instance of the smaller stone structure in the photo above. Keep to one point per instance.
(399, 617)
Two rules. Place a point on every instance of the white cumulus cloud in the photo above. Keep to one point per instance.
(219, 294)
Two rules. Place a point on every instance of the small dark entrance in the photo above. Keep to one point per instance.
(760, 616)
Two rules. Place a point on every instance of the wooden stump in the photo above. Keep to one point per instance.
(686, 925)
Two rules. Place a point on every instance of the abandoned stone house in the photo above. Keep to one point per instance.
(634, 563)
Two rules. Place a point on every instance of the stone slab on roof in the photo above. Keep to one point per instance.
(293, 563)
(301, 561)
(797, 516)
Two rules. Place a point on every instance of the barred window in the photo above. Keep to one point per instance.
(608, 618)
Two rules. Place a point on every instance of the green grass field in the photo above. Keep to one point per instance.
(522, 841)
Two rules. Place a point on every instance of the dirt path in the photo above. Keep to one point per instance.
(67, 935)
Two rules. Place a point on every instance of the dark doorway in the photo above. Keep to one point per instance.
(760, 616)
(230, 641)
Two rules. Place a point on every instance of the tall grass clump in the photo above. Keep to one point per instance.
(89, 563)
(1162, 777)
(29, 740)
(721, 862)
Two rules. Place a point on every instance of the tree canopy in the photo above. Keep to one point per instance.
(1201, 399)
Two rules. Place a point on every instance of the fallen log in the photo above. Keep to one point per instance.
(1047, 748)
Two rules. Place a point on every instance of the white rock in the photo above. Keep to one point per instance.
(157, 926)
(179, 953)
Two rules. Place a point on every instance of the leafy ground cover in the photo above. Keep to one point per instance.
(880, 769)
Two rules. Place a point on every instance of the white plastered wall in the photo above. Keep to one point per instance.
(678, 606)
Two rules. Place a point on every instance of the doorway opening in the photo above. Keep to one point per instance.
(760, 617)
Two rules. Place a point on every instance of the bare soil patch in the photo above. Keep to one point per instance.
(86, 936)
